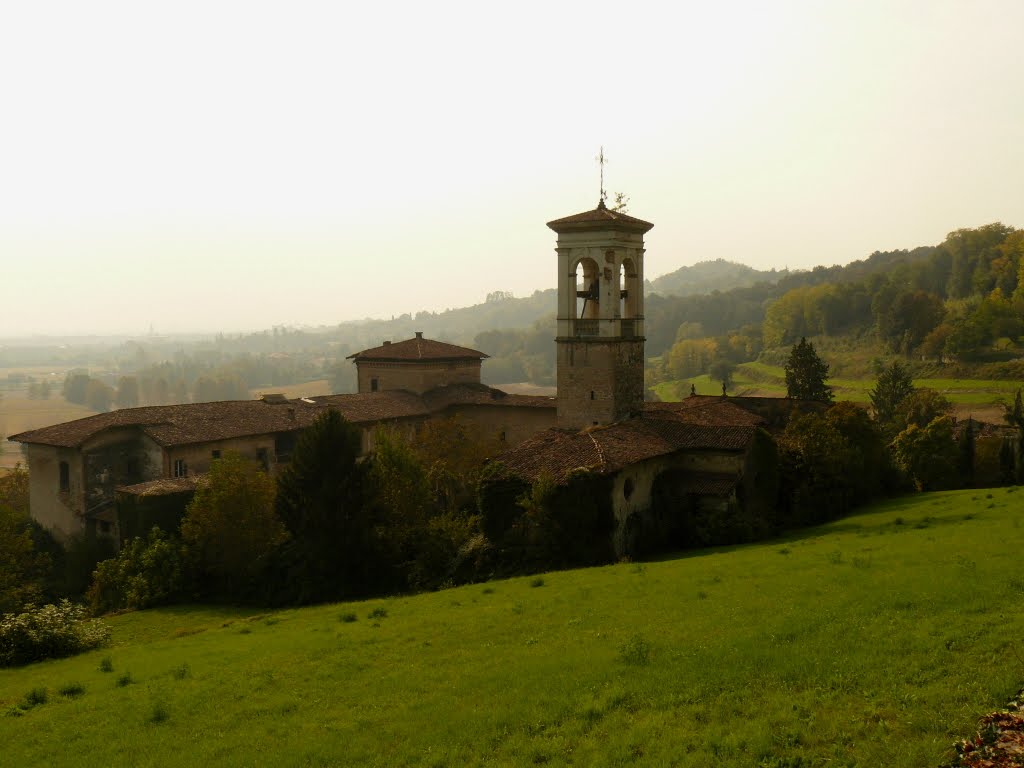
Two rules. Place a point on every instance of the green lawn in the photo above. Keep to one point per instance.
(873, 641)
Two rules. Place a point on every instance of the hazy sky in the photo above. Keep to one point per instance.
(213, 165)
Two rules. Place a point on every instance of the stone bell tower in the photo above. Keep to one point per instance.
(600, 364)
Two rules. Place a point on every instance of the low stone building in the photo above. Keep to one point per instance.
(77, 468)
(702, 457)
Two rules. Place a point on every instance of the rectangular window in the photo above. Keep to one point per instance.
(374, 385)
(65, 477)
(180, 468)
(216, 454)
(263, 456)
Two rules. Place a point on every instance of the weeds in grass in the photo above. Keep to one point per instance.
(784, 551)
(487, 591)
(71, 690)
(635, 651)
(158, 714)
(537, 582)
(702, 595)
(125, 680)
(835, 557)
(897, 521)
(181, 672)
(271, 621)
(517, 608)
(186, 631)
(35, 698)
(861, 562)
(106, 664)
(377, 613)
(348, 618)
(245, 631)
(638, 568)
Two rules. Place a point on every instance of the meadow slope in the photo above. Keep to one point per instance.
(873, 641)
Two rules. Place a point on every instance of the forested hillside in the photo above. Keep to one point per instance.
(708, 276)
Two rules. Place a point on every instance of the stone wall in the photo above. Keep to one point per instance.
(417, 376)
(599, 381)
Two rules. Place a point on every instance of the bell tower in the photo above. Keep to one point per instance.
(600, 363)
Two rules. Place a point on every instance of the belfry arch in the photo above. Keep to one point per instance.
(588, 289)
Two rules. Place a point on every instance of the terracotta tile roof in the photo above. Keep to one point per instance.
(164, 486)
(417, 348)
(192, 423)
(609, 449)
(711, 412)
(376, 406)
(183, 424)
(480, 394)
(600, 218)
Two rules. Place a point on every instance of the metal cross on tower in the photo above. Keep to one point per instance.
(601, 161)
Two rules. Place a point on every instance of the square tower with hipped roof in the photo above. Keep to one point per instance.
(600, 356)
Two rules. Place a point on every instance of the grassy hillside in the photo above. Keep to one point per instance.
(874, 641)
(982, 398)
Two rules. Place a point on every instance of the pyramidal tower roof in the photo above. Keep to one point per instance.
(601, 217)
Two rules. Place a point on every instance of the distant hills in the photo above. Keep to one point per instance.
(708, 276)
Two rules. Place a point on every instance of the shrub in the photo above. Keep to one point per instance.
(106, 664)
(125, 680)
(50, 632)
(71, 690)
(636, 650)
(377, 613)
(35, 698)
(347, 618)
(159, 713)
(146, 572)
(180, 673)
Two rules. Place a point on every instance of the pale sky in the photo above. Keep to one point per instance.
(204, 166)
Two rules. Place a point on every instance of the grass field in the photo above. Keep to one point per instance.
(874, 641)
(982, 398)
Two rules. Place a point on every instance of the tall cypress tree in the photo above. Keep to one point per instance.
(806, 374)
(321, 498)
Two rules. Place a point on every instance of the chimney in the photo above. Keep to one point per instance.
(419, 334)
(291, 414)
(387, 343)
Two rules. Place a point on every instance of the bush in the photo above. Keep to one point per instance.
(50, 632)
(146, 572)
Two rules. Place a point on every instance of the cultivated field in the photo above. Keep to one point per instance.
(873, 641)
(18, 414)
(308, 389)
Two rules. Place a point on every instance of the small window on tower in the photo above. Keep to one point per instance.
(374, 385)
(591, 394)
(65, 477)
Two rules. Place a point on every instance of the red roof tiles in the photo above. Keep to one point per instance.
(607, 450)
(600, 218)
(192, 423)
(417, 348)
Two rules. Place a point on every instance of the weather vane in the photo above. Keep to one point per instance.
(601, 161)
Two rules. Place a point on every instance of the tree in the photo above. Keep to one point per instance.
(621, 203)
(127, 392)
(921, 407)
(98, 395)
(76, 386)
(892, 387)
(722, 370)
(806, 374)
(322, 500)
(966, 447)
(231, 529)
(928, 455)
